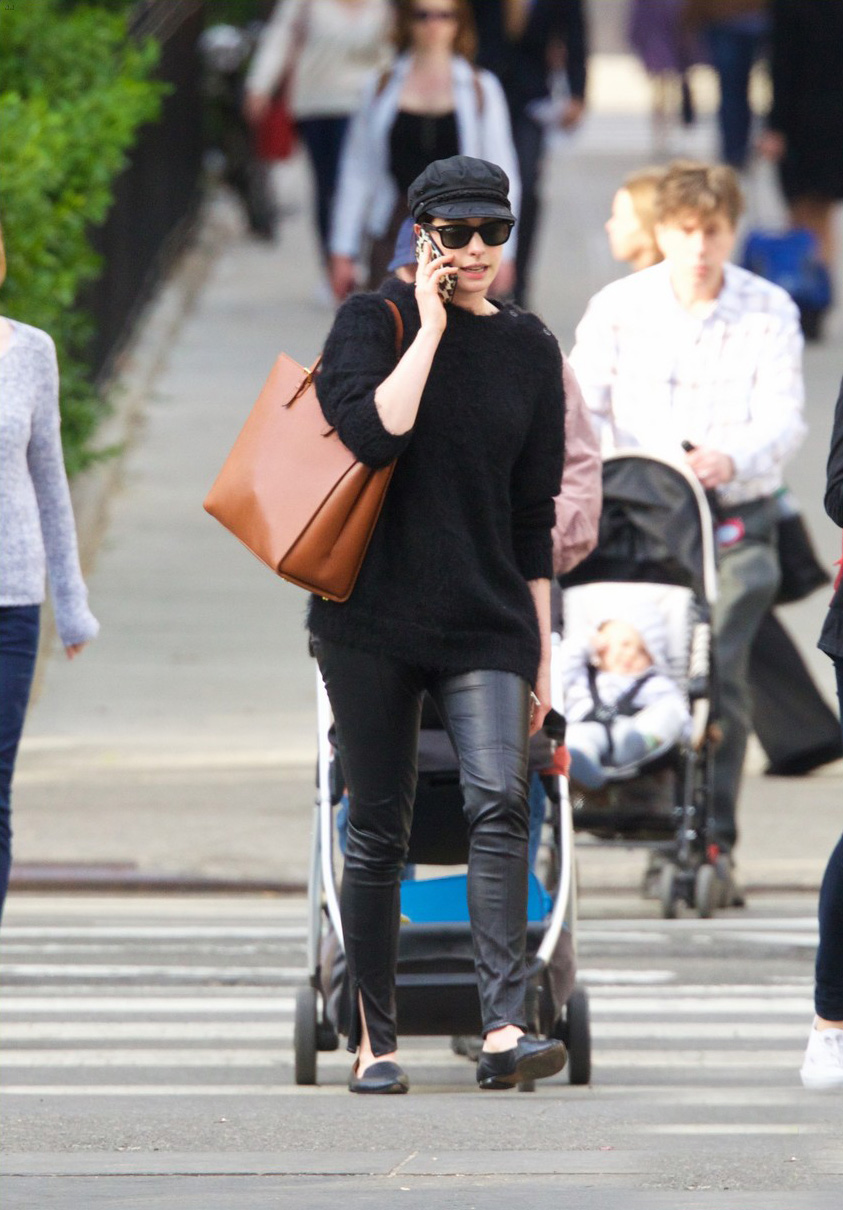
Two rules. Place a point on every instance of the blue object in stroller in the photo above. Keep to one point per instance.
(656, 551)
(791, 259)
(436, 985)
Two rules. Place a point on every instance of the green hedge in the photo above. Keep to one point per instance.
(75, 90)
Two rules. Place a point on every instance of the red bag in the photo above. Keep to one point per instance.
(276, 132)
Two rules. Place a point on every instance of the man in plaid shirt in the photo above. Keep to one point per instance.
(696, 352)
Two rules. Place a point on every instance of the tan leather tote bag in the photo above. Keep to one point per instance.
(291, 491)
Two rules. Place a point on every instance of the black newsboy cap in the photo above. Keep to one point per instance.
(461, 187)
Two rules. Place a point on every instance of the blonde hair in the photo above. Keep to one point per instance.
(703, 189)
(642, 187)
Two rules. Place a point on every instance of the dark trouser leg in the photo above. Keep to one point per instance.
(828, 995)
(377, 710)
(795, 726)
(323, 138)
(733, 53)
(528, 137)
(19, 626)
(487, 715)
(747, 582)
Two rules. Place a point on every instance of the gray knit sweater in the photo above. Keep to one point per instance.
(37, 532)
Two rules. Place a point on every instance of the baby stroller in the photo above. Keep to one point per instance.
(657, 549)
(436, 988)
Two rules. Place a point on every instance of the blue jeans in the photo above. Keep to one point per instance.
(733, 52)
(828, 995)
(19, 625)
(323, 138)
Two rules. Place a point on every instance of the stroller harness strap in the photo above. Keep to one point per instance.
(625, 705)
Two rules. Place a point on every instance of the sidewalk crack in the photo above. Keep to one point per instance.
(405, 1160)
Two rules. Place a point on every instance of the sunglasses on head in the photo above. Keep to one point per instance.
(434, 14)
(456, 235)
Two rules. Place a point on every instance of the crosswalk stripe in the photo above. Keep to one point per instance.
(143, 1004)
(209, 1059)
(701, 1032)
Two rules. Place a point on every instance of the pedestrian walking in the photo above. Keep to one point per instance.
(37, 535)
(734, 33)
(790, 716)
(805, 124)
(529, 44)
(431, 105)
(822, 1067)
(663, 43)
(453, 597)
(698, 355)
(325, 49)
(631, 227)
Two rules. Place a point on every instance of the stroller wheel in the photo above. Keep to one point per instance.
(578, 1038)
(668, 891)
(305, 1036)
(707, 895)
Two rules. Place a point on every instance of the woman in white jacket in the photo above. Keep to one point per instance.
(431, 105)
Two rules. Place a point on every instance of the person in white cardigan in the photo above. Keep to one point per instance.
(327, 48)
(433, 104)
(37, 537)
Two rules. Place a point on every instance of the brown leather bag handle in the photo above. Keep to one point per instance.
(399, 340)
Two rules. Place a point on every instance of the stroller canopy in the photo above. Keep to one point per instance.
(655, 526)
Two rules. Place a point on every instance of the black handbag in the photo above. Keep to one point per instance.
(802, 572)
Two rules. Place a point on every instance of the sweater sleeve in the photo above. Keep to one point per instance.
(538, 472)
(358, 355)
(74, 620)
(579, 503)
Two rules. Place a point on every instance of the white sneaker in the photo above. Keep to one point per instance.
(822, 1067)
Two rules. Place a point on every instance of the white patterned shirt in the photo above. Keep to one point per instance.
(653, 375)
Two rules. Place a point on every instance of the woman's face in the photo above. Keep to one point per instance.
(434, 24)
(477, 264)
(627, 238)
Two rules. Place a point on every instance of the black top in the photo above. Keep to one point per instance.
(521, 66)
(468, 515)
(831, 639)
(806, 64)
(416, 140)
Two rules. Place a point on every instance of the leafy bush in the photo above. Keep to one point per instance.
(76, 89)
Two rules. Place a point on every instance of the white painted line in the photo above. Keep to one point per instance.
(701, 991)
(800, 940)
(719, 924)
(737, 1128)
(699, 1031)
(784, 1006)
(205, 1005)
(172, 1090)
(81, 932)
(214, 1058)
(164, 1031)
(185, 974)
(177, 1057)
(689, 1060)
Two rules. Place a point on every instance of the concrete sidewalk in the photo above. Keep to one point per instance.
(181, 745)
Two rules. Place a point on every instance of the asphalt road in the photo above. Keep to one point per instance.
(146, 1062)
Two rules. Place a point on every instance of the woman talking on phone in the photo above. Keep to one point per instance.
(453, 598)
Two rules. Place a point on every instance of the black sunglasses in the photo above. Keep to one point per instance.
(434, 14)
(457, 235)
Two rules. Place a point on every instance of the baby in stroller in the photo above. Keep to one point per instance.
(621, 704)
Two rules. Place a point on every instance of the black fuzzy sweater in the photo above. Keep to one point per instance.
(468, 515)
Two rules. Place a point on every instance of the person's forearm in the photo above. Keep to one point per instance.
(540, 590)
(398, 396)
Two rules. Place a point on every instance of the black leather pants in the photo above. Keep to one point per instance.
(376, 702)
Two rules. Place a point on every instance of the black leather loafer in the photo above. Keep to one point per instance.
(384, 1078)
(530, 1059)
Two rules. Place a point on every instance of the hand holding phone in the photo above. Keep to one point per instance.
(448, 282)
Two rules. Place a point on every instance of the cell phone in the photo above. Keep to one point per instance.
(448, 283)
